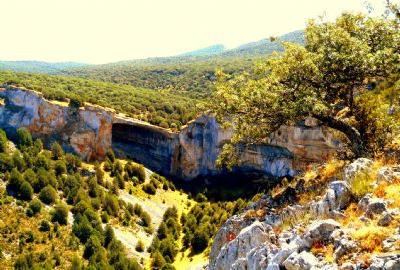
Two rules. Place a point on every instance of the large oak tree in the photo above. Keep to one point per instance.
(340, 59)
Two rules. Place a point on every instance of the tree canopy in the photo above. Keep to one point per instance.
(339, 61)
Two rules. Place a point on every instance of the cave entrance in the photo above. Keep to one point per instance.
(145, 144)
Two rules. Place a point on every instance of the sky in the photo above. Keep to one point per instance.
(103, 31)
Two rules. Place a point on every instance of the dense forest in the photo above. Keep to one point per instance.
(158, 107)
(190, 75)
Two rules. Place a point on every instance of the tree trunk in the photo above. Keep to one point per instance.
(351, 133)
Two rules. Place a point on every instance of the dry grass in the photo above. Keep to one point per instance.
(371, 237)
(319, 248)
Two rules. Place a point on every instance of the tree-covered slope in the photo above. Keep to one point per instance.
(155, 106)
(38, 66)
(190, 74)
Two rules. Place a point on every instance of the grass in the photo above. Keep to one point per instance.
(319, 248)
(371, 237)
(363, 181)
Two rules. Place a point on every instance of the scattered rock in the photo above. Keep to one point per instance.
(385, 219)
(300, 261)
(342, 194)
(376, 206)
(357, 166)
(347, 266)
(321, 230)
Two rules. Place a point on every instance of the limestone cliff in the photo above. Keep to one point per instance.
(91, 130)
(86, 131)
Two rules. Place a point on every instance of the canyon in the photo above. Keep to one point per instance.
(91, 130)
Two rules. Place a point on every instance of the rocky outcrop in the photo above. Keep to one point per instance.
(89, 131)
(318, 234)
(86, 131)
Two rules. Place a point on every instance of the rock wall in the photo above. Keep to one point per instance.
(91, 130)
(86, 131)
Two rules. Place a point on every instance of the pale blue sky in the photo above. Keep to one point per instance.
(100, 31)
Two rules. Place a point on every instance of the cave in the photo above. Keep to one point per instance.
(146, 144)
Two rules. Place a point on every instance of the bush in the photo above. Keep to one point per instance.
(73, 162)
(149, 189)
(15, 181)
(60, 167)
(135, 170)
(24, 138)
(139, 246)
(35, 206)
(25, 191)
(110, 155)
(75, 103)
(44, 226)
(56, 151)
(199, 241)
(60, 214)
(48, 195)
(92, 247)
(3, 141)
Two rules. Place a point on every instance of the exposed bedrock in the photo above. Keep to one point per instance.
(89, 131)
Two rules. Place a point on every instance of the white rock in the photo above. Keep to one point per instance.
(357, 166)
(300, 261)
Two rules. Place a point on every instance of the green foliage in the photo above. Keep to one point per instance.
(135, 170)
(35, 206)
(24, 138)
(338, 61)
(48, 195)
(60, 214)
(25, 191)
(154, 106)
(60, 167)
(56, 151)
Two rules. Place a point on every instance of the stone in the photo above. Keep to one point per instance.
(321, 230)
(357, 166)
(300, 261)
(385, 219)
(342, 194)
(376, 206)
(273, 266)
(236, 251)
(392, 265)
(343, 246)
(384, 174)
(347, 266)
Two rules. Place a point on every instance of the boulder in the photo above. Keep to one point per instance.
(385, 219)
(371, 205)
(342, 194)
(235, 252)
(321, 230)
(347, 266)
(300, 261)
(357, 166)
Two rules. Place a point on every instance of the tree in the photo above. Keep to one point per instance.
(92, 247)
(24, 138)
(60, 214)
(56, 151)
(199, 241)
(48, 195)
(25, 191)
(339, 60)
(60, 167)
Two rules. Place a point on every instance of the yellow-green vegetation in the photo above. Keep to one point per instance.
(51, 208)
(158, 107)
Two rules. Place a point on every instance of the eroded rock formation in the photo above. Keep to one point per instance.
(89, 131)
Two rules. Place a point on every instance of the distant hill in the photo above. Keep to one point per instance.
(190, 74)
(38, 66)
(211, 50)
(266, 46)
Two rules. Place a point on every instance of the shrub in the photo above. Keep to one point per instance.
(42, 161)
(109, 235)
(44, 226)
(110, 155)
(35, 206)
(135, 170)
(199, 241)
(92, 247)
(24, 138)
(48, 195)
(30, 176)
(3, 141)
(149, 189)
(73, 162)
(15, 181)
(25, 191)
(56, 151)
(139, 246)
(60, 167)
(75, 103)
(60, 214)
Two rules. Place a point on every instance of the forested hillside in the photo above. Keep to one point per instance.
(38, 66)
(155, 106)
(191, 74)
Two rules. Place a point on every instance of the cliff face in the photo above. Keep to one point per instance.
(91, 130)
(86, 131)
